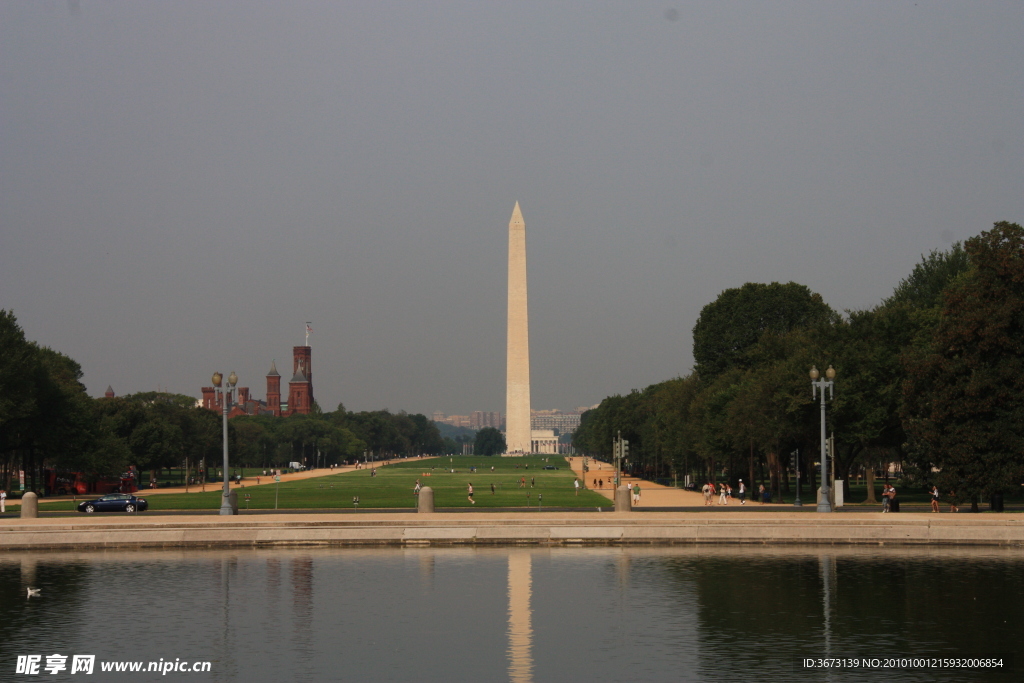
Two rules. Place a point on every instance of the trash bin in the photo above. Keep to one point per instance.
(995, 503)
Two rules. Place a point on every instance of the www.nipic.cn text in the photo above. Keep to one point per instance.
(34, 665)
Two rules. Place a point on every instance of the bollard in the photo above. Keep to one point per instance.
(29, 505)
(425, 501)
(623, 501)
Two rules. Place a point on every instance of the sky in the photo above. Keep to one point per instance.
(184, 184)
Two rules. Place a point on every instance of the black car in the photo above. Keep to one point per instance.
(114, 502)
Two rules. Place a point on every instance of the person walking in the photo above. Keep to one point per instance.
(576, 485)
(470, 492)
(743, 493)
(885, 497)
(706, 490)
(952, 502)
(416, 489)
(935, 499)
(636, 493)
(760, 493)
(721, 495)
(3, 501)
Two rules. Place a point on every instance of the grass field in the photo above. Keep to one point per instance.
(393, 487)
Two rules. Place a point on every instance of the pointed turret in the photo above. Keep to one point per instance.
(110, 392)
(274, 390)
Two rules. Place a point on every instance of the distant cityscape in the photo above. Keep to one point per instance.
(564, 422)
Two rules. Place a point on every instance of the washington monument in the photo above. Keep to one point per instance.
(517, 381)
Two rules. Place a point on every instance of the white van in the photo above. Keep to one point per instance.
(296, 466)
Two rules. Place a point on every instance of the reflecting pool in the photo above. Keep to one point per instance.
(515, 614)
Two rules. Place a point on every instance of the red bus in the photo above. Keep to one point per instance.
(63, 482)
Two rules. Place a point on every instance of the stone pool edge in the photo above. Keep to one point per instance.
(489, 530)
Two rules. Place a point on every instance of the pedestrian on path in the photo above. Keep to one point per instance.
(885, 497)
(3, 501)
(952, 502)
(636, 493)
(760, 491)
(706, 490)
(576, 485)
(470, 491)
(721, 496)
(416, 489)
(935, 499)
(743, 493)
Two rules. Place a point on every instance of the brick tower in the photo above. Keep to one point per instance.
(300, 387)
(274, 390)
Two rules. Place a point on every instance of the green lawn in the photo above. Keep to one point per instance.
(393, 486)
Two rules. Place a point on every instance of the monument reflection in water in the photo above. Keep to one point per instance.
(516, 614)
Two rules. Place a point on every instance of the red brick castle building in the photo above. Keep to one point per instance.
(300, 391)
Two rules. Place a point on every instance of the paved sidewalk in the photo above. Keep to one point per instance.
(656, 495)
(246, 481)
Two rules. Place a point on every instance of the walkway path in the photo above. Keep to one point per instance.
(654, 495)
(246, 481)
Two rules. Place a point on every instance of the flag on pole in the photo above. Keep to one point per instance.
(309, 328)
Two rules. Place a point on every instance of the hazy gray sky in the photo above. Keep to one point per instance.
(184, 184)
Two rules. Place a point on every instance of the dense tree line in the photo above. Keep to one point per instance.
(931, 379)
(47, 421)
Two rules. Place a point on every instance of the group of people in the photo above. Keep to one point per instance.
(888, 496)
(724, 492)
(634, 490)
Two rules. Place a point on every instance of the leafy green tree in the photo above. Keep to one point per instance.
(489, 441)
(964, 393)
(924, 287)
(737, 319)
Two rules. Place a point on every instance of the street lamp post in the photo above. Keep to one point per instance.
(225, 503)
(825, 504)
(797, 503)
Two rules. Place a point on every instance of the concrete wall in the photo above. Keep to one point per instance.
(541, 529)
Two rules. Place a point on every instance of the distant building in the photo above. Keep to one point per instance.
(543, 441)
(563, 423)
(477, 420)
(300, 391)
(480, 419)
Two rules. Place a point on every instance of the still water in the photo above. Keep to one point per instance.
(511, 614)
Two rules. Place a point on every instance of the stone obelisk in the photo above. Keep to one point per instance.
(517, 380)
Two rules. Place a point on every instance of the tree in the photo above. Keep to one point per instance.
(738, 318)
(489, 441)
(964, 393)
(924, 287)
